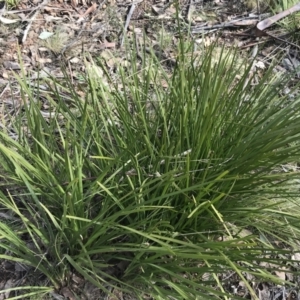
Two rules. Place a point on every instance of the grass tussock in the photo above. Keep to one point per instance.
(154, 189)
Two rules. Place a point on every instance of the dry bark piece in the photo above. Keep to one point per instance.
(264, 24)
(11, 65)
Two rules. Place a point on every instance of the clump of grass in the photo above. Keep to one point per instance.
(150, 189)
(57, 41)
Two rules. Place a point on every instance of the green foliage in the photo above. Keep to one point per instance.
(12, 3)
(161, 181)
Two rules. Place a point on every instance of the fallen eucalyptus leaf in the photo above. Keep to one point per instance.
(45, 35)
(8, 21)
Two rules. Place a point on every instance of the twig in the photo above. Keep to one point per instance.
(32, 19)
(190, 11)
(128, 18)
(217, 26)
(282, 40)
(252, 19)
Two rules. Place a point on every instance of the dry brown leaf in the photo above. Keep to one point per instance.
(289, 276)
(90, 9)
(8, 285)
(11, 65)
(77, 279)
(5, 75)
(67, 293)
(107, 45)
(280, 275)
(156, 9)
(43, 60)
(74, 3)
